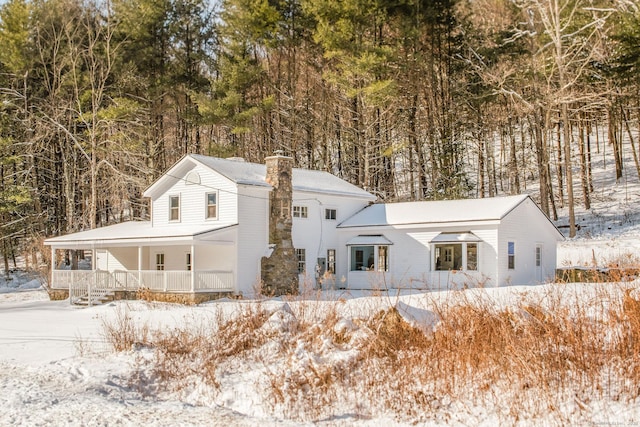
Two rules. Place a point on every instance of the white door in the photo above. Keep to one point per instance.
(538, 263)
(102, 260)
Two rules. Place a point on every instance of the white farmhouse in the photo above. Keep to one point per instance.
(224, 226)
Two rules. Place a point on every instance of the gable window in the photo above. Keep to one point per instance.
(511, 255)
(331, 261)
(212, 205)
(192, 178)
(160, 261)
(302, 260)
(174, 208)
(300, 212)
(330, 214)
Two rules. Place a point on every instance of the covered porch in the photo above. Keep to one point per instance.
(186, 261)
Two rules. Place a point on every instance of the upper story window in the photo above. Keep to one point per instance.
(212, 205)
(300, 212)
(330, 214)
(174, 208)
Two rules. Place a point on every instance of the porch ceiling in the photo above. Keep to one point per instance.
(141, 233)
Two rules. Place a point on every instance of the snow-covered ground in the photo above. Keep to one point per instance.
(57, 367)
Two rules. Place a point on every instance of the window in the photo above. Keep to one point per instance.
(511, 255)
(472, 256)
(174, 208)
(192, 178)
(448, 256)
(302, 260)
(363, 258)
(212, 205)
(159, 261)
(538, 256)
(330, 214)
(331, 261)
(383, 258)
(300, 211)
(188, 261)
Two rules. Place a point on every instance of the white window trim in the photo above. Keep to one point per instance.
(376, 261)
(515, 253)
(464, 261)
(301, 263)
(206, 205)
(330, 209)
(179, 207)
(302, 209)
(164, 261)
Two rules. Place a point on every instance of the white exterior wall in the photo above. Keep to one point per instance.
(410, 258)
(117, 259)
(193, 200)
(527, 227)
(315, 233)
(207, 257)
(252, 236)
(488, 253)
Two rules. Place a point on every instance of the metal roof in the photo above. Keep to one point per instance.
(446, 211)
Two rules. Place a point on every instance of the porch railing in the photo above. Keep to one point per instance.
(81, 282)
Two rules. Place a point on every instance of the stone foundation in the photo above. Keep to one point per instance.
(596, 275)
(58, 294)
(177, 298)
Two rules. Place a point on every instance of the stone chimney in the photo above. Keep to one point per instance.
(280, 269)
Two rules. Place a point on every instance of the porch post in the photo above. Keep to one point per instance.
(464, 256)
(53, 265)
(193, 268)
(139, 265)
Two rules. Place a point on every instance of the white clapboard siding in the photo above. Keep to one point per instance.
(316, 234)
(253, 234)
(193, 199)
(526, 227)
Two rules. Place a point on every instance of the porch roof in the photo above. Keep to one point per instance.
(456, 237)
(141, 233)
(369, 240)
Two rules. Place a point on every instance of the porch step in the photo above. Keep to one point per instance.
(97, 297)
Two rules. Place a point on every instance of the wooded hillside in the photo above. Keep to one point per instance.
(410, 99)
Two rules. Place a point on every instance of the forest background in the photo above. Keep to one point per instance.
(409, 99)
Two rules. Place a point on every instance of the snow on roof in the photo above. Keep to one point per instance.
(444, 211)
(307, 180)
(133, 230)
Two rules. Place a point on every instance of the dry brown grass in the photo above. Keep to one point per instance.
(122, 332)
(527, 355)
